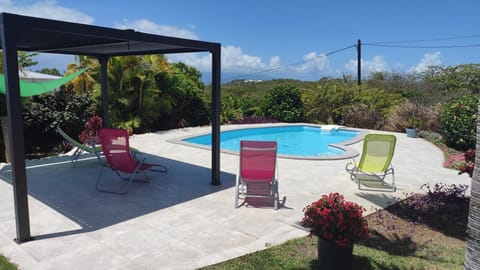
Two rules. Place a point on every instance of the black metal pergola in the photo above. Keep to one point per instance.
(22, 33)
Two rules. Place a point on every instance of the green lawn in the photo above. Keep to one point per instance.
(302, 254)
(401, 237)
(6, 265)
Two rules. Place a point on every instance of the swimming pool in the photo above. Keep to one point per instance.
(294, 141)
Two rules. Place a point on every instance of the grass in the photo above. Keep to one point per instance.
(6, 265)
(412, 234)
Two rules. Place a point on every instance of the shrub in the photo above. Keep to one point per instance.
(91, 132)
(362, 116)
(326, 103)
(433, 119)
(379, 100)
(409, 114)
(43, 113)
(253, 120)
(441, 198)
(442, 193)
(231, 109)
(283, 103)
(459, 122)
(433, 137)
(464, 162)
(333, 218)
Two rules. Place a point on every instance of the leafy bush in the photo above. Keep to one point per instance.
(337, 102)
(327, 102)
(42, 114)
(254, 120)
(379, 100)
(283, 103)
(230, 109)
(459, 122)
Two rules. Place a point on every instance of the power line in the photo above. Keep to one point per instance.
(373, 44)
(292, 64)
(422, 47)
(427, 40)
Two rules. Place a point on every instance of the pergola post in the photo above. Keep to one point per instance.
(216, 107)
(25, 33)
(15, 123)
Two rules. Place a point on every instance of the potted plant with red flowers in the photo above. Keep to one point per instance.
(338, 224)
(91, 132)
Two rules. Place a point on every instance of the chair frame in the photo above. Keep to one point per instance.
(241, 189)
(129, 176)
(80, 147)
(86, 148)
(354, 168)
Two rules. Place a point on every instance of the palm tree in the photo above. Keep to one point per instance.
(472, 257)
(84, 82)
(149, 66)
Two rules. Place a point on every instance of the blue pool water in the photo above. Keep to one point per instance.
(295, 140)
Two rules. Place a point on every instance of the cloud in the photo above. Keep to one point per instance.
(275, 61)
(48, 9)
(377, 64)
(201, 61)
(233, 60)
(428, 60)
(147, 26)
(314, 64)
(241, 65)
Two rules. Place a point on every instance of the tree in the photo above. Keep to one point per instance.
(84, 82)
(472, 256)
(25, 59)
(123, 85)
(50, 71)
(182, 98)
(452, 82)
(283, 103)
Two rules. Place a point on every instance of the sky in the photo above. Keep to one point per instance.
(302, 39)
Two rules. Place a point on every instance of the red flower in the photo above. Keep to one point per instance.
(333, 218)
(90, 134)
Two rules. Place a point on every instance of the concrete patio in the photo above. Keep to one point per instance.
(179, 220)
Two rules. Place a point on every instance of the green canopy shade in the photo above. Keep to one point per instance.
(28, 89)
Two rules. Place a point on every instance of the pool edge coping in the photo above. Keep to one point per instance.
(348, 151)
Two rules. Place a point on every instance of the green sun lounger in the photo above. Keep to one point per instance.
(375, 162)
(85, 148)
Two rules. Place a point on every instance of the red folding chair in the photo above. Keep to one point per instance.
(116, 149)
(257, 172)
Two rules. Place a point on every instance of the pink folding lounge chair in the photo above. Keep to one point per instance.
(257, 172)
(116, 149)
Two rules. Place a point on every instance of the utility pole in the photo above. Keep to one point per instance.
(359, 65)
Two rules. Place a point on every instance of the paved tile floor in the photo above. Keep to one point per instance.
(179, 220)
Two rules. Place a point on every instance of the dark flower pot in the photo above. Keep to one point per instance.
(334, 257)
